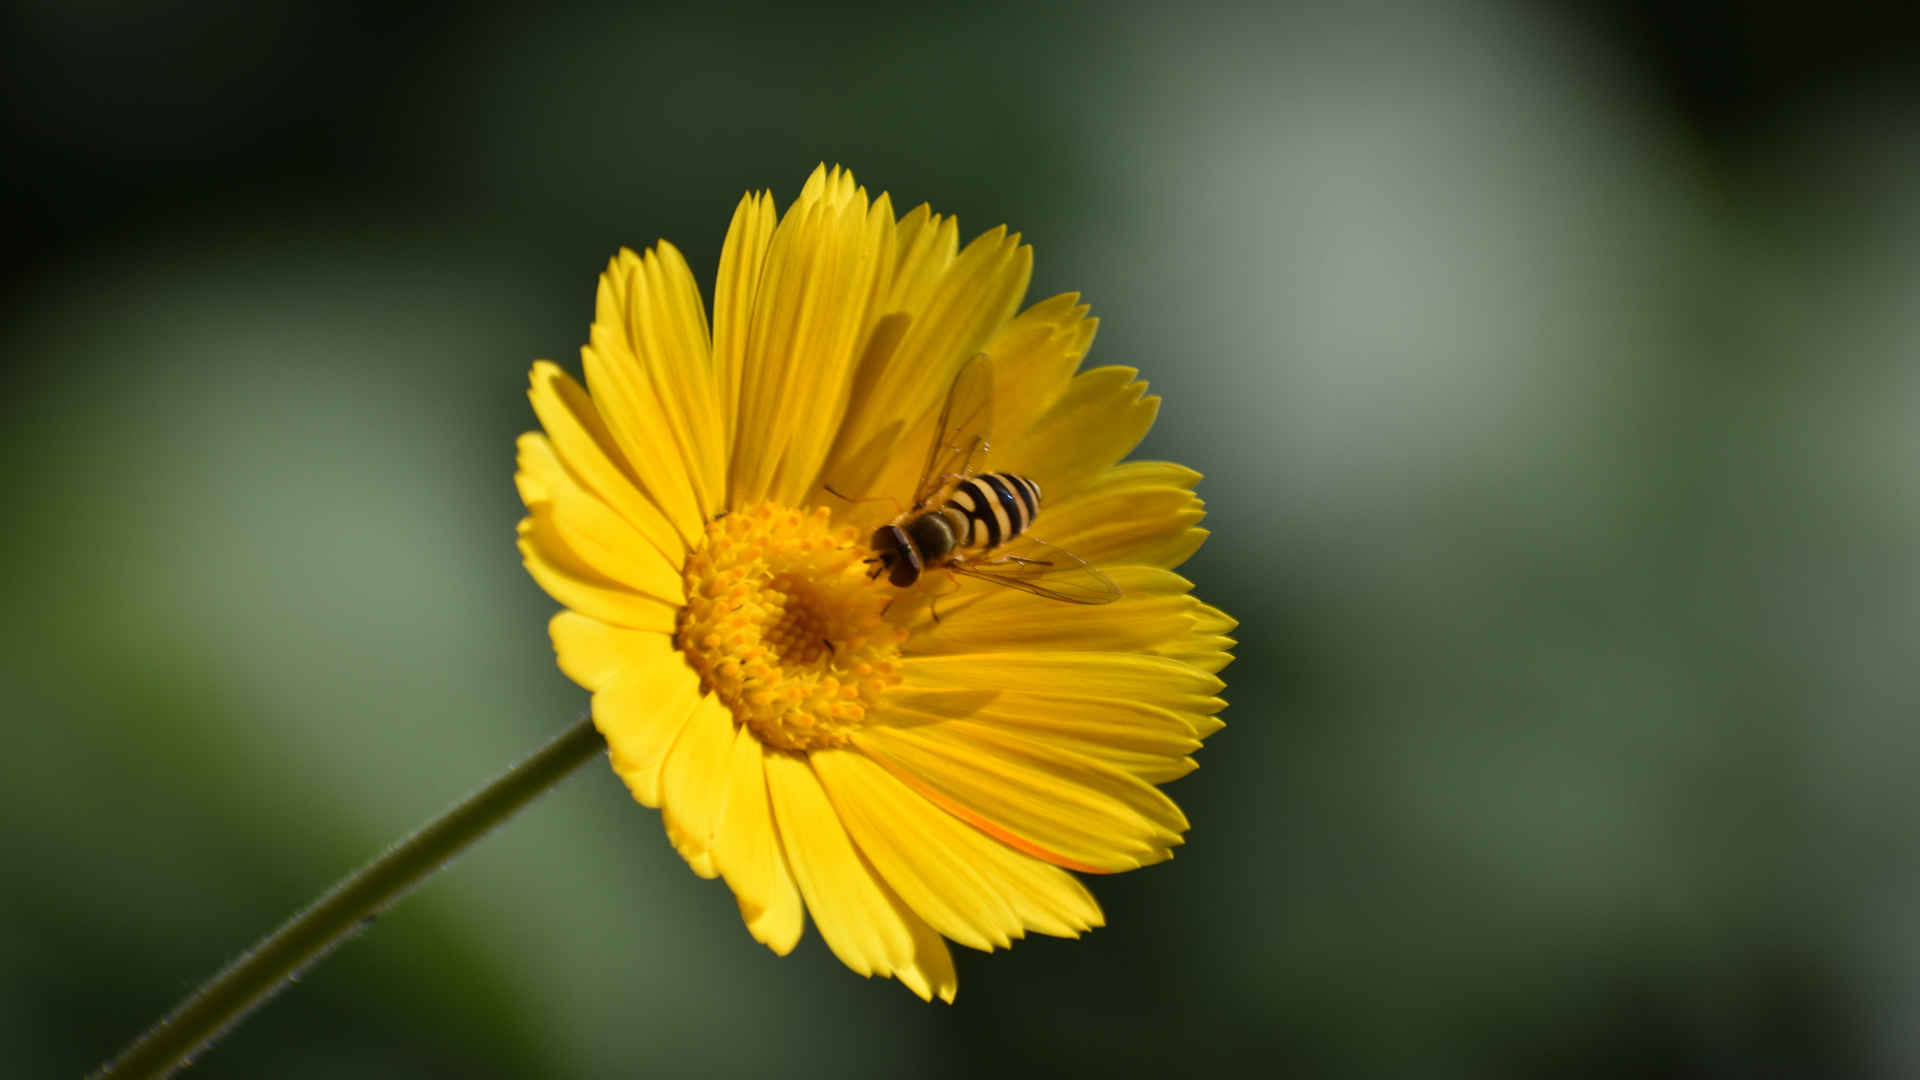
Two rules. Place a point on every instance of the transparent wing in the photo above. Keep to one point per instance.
(960, 436)
(1037, 567)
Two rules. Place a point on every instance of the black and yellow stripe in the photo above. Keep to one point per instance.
(997, 506)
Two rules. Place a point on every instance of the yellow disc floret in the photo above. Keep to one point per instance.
(784, 625)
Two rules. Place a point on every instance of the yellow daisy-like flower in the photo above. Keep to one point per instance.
(909, 763)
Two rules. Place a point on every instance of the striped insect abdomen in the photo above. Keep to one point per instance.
(997, 507)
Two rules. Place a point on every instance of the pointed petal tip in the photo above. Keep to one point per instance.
(781, 937)
(925, 988)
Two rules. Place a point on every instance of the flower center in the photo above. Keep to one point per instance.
(783, 624)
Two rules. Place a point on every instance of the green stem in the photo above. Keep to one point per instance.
(249, 981)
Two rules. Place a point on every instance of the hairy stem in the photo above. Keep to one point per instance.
(248, 982)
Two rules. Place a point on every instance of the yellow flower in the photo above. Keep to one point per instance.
(904, 763)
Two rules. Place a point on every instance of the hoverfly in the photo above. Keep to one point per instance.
(978, 529)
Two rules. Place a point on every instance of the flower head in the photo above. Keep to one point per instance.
(907, 764)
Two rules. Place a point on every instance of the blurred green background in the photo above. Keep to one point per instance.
(1553, 369)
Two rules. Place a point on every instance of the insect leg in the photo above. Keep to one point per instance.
(933, 599)
(898, 509)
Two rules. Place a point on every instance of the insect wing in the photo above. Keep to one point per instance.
(961, 433)
(1037, 567)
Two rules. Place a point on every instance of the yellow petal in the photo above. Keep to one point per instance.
(1206, 652)
(1098, 420)
(1214, 621)
(808, 323)
(600, 538)
(974, 297)
(930, 974)
(820, 399)
(693, 783)
(860, 919)
(1149, 679)
(747, 852)
(1034, 358)
(1127, 515)
(655, 297)
(926, 246)
(856, 480)
(1044, 897)
(587, 450)
(742, 258)
(635, 410)
(1041, 897)
(556, 569)
(593, 653)
(853, 918)
(951, 316)
(1050, 803)
(1152, 615)
(1147, 474)
(642, 712)
(910, 843)
(1145, 740)
(1067, 705)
